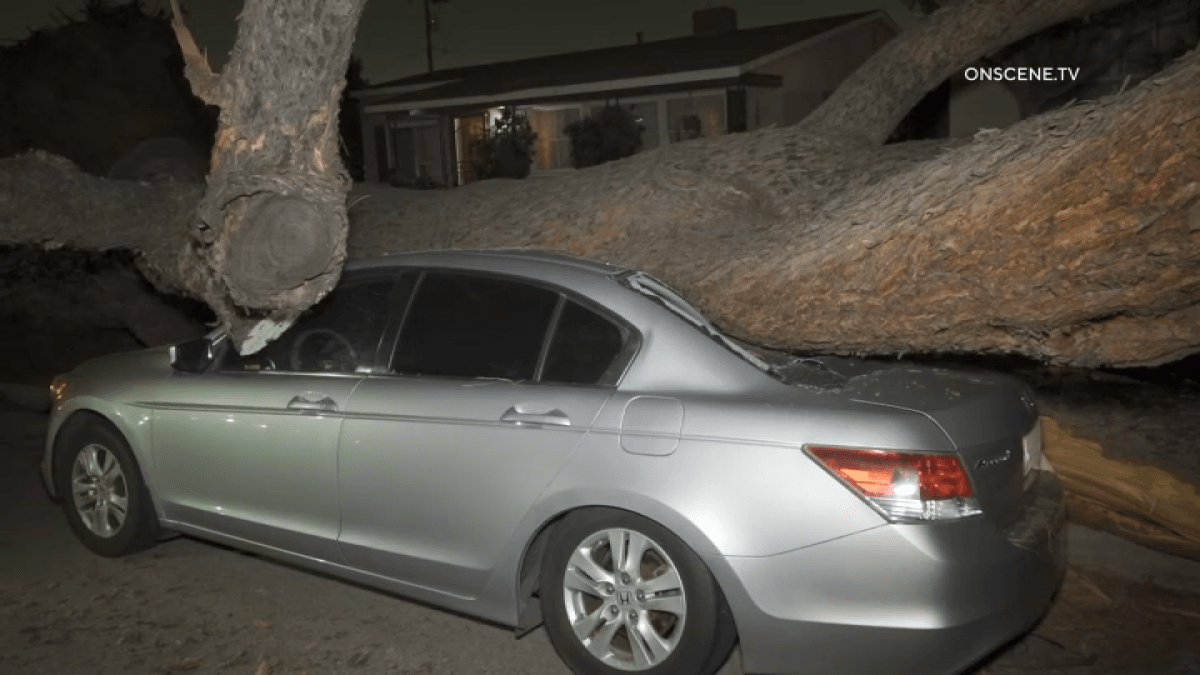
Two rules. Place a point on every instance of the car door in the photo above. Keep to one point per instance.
(249, 449)
(492, 385)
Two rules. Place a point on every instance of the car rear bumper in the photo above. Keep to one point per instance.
(927, 598)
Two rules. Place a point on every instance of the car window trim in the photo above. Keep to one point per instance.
(396, 318)
(388, 360)
(548, 337)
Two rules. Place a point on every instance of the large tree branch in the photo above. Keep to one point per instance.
(269, 236)
(1073, 237)
(873, 100)
(786, 237)
(48, 201)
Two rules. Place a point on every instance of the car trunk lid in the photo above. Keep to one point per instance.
(986, 415)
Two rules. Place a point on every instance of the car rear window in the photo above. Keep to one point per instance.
(582, 348)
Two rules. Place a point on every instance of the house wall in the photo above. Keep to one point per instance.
(374, 137)
(660, 115)
(811, 73)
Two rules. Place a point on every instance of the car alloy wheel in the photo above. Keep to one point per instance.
(621, 593)
(100, 490)
(97, 476)
(624, 599)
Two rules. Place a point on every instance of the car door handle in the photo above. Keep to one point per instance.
(301, 403)
(556, 417)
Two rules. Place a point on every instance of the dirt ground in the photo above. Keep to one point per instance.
(192, 607)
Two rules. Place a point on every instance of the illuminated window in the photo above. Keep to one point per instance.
(696, 117)
(553, 144)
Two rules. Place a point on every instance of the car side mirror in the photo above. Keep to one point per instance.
(193, 356)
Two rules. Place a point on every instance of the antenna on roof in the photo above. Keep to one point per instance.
(430, 26)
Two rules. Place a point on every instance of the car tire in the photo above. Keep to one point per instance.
(102, 490)
(657, 613)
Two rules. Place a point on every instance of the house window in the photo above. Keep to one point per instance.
(416, 153)
(696, 117)
(553, 144)
(472, 133)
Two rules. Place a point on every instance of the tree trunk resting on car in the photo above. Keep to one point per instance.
(785, 237)
(1072, 237)
(269, 236)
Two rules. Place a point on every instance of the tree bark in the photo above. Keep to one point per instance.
(1139, 502)
(268, 239)
(796, 238)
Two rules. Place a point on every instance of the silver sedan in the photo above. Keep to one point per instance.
(535, 439)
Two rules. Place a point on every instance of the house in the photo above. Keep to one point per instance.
(719, 80)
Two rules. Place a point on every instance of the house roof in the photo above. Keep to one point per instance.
(695, 59)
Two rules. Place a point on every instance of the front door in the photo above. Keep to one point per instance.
(494, 383)
(249, 449)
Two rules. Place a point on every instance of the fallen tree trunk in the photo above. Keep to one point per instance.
(794, 238)
(269, 236)
(1139, 502)
(928, 247)
(934, 247)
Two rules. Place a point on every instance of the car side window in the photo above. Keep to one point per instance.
(474, 326)
(340, 334)
(583, 347)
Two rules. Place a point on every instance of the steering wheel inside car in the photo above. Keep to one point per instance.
(333, 355)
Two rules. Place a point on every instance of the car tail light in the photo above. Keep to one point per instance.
(904, 486)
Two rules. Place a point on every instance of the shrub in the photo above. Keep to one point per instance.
(506, 151)
(611, 133)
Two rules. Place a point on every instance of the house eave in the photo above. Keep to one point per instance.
(598, 89)
(820, 37)
(746, 80)
(366, 94)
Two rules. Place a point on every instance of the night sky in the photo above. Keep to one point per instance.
(392, 44)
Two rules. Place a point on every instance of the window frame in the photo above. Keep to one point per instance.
(614, 374)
